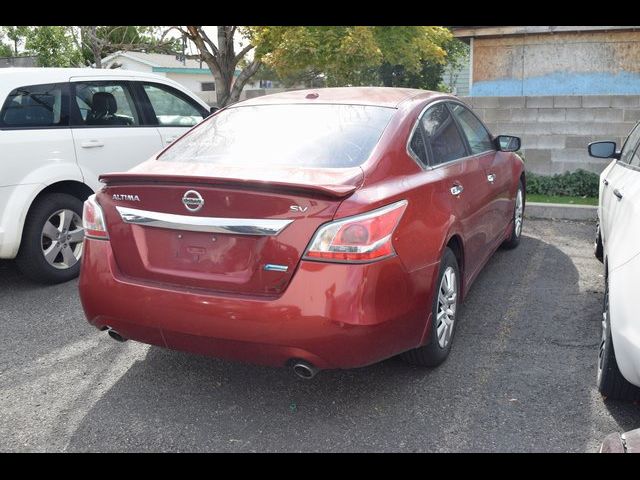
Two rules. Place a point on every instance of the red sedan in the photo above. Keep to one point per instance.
(319, 229)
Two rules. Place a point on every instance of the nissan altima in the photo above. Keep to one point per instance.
(314, 229)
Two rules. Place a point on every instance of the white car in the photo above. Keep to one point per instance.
(59, 129)
(618, 248)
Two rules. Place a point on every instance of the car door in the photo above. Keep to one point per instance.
(497, 172)
(459, 186)
(170, 110)
(108, 128)
(613, 183)
(624, 206)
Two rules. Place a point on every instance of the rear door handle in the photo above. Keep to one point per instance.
(617, 193)
(92, 144)
(456, 190)
(491, 177)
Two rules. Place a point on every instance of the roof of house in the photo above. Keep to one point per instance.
(464, 32)
(379, 96)
(158, 59)
(161, 62)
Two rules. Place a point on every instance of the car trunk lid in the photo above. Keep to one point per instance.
(247, 237)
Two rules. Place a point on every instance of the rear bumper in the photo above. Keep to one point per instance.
(332, 315)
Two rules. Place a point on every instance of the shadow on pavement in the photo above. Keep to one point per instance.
(521, 377)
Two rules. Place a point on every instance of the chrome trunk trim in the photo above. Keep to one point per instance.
(235, 226)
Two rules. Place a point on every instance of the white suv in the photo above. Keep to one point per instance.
(59, 129)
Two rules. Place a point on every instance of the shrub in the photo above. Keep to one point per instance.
(572, 184)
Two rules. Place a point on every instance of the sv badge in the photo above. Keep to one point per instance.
(298, 208)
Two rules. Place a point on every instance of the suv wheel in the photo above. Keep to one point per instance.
(52, 239)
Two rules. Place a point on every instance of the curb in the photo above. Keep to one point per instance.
(552, 211)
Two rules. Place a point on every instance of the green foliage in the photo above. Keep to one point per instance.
(53, 46)
(5, 50)
(350, 55)
(575, 184)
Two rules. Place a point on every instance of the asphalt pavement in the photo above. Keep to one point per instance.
(520, 377)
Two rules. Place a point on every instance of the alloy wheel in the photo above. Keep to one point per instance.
(605, 332)
(518, 213)
(62, 239)
(447, 302)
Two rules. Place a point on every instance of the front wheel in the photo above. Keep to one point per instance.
(444, 310)
(598, 248)
(52, 239)
(518, 218)
(611, 383)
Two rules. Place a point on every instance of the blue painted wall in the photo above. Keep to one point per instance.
(562, 83)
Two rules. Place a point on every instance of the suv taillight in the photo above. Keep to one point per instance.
(93, 220)
(361, 238)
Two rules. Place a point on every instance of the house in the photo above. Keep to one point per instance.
(193, 74)
(548, 60)
(558, 88)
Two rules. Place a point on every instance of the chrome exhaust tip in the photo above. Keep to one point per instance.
(304, 369)
(115, 335)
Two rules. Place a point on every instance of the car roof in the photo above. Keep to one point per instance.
(378, 96)
(14, 77)
(45, 74)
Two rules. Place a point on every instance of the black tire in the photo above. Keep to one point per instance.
(30, 259)
(597, 246)
(433, 353)
(514, 239)
(610, 381)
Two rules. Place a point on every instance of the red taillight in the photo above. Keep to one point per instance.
(93, 220)
(361, 238)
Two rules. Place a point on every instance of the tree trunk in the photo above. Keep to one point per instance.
(95, 48)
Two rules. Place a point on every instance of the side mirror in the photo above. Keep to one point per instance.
(603, 150)
(213, 110)
(508, 143)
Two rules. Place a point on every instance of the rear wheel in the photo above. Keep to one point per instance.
(611, 383)
(444, 312)
(52, 239)
(518, 217)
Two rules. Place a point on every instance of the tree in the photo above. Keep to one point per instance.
(344, 55)
(17, 35)
(351, 55)
(430, 74)
(222, 59)
(97, 42)
(53, 46)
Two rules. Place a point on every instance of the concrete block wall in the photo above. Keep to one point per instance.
(555, 130)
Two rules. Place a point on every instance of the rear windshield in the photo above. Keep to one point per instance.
(330, 136)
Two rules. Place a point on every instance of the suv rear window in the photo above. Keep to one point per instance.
(330, 136)
(35, 106)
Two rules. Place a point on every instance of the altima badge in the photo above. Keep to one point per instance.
(192, 200)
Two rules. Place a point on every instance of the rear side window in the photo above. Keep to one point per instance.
(105, 103)
(171, 107)
(322, 135)
(36, 106)
(441, 135)
(477, 136)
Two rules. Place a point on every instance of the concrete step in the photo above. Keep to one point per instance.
(561, 211)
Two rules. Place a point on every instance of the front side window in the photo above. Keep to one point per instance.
(170, 108)
(36, 106)
(441, 135)
(477, 136)
(330, 136)
(631, 145)
(105, 104)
